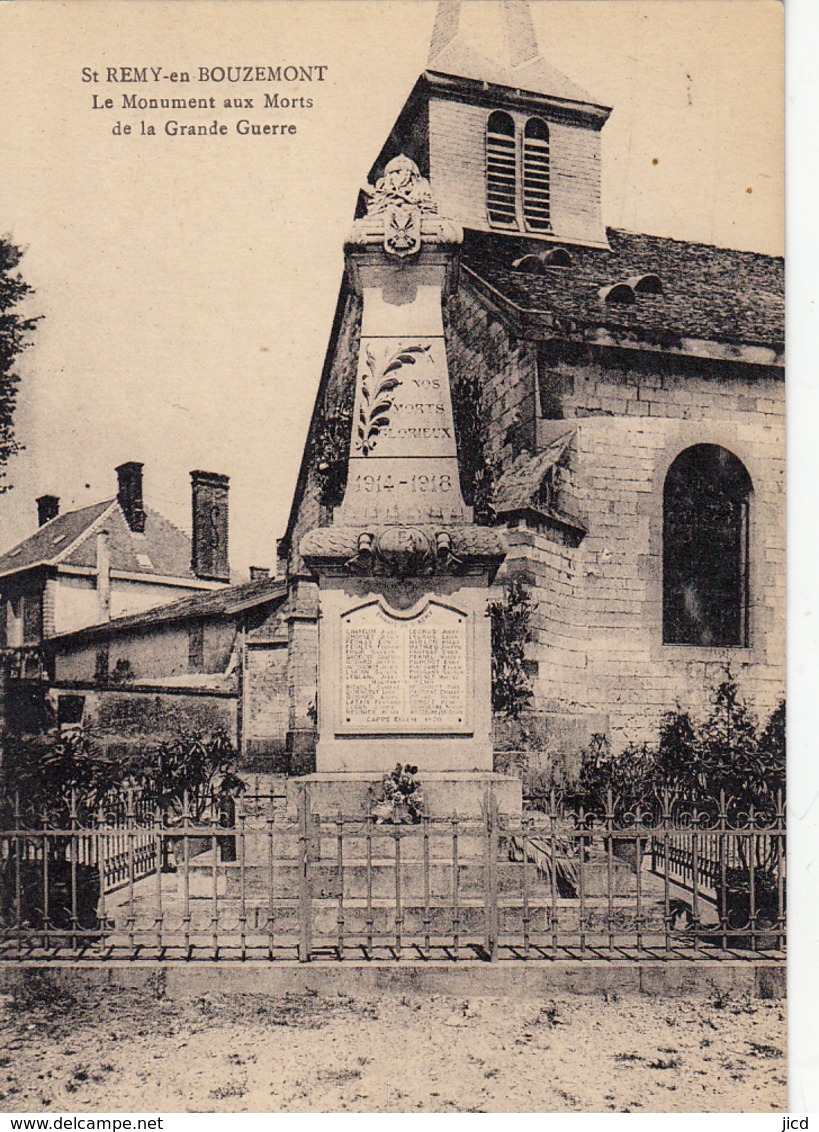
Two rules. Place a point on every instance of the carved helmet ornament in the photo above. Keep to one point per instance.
(401, 196)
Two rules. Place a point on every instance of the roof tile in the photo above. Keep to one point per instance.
(708, 292)
(212, 603)
(52, 539)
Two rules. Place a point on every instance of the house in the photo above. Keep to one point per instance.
(618, 400)
(212, 661)
(104, 561)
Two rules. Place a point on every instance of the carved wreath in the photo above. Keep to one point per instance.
(378, 393)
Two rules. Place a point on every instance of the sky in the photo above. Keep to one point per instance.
(187, 284)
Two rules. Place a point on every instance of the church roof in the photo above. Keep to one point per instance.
(162, 550)
(519, 488)
(494, 41)
(650, 287)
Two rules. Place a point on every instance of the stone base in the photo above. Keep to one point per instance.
(445, 792)
(543, 747)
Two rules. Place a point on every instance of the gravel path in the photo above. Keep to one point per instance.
(122, 1050)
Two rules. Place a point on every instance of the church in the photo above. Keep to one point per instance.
(602, 422)
(618, 408)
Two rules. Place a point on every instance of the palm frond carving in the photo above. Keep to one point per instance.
(378, 388)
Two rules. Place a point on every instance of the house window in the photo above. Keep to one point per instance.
(196, 647)
(501, 170)
(32, 619)
(705, 549)
(536, 189)
(69, 711)
(14, 621)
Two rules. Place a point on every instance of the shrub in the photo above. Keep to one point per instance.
(191, 767)
(625, 781)
(511, 632)
(725, 755)
(694, 763)
(41, 774)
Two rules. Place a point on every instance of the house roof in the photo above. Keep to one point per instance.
(50, 543)
(709, 293)
(67, 540)
(227, 601)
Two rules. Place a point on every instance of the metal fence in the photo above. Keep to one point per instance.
(271, 879)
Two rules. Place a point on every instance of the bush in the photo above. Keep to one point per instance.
(511, 632)
(725, 756)
(192, 768)
(694, 764)
(48, 780)
(625, 782)
(43, 773)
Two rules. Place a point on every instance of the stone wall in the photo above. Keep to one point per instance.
(629, 672)
(597, 646)
(161, 653)
(266, 706)
(126, 720)
(480, 346)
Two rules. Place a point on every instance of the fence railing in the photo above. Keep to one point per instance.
(270, 878)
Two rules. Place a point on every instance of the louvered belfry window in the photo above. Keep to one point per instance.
(501, 170)
(536, 189)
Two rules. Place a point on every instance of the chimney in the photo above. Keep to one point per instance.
(129, 495)
(48, 508)
(210, 526)
(103, 577)
(257, 573)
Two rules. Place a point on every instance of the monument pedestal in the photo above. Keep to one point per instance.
(404, 673)
(447, 794)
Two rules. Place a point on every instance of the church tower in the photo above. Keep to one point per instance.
(509, 143)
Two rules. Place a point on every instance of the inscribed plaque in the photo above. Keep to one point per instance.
(406, 674)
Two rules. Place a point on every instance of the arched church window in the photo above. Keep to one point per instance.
(706, 501)
(536, 187)
(501, 169)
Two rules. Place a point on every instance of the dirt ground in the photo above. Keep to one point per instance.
(134, 1051)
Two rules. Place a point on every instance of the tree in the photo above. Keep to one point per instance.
(15, 331)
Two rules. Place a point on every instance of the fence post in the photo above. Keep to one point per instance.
(666, 819)
(74, 841)
(304, 877)
(780, 871)
(18, 883)
(491, 875)
(722, 881)
(608, 842)
(130, 825)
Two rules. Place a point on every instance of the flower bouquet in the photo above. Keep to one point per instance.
(402, 799)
